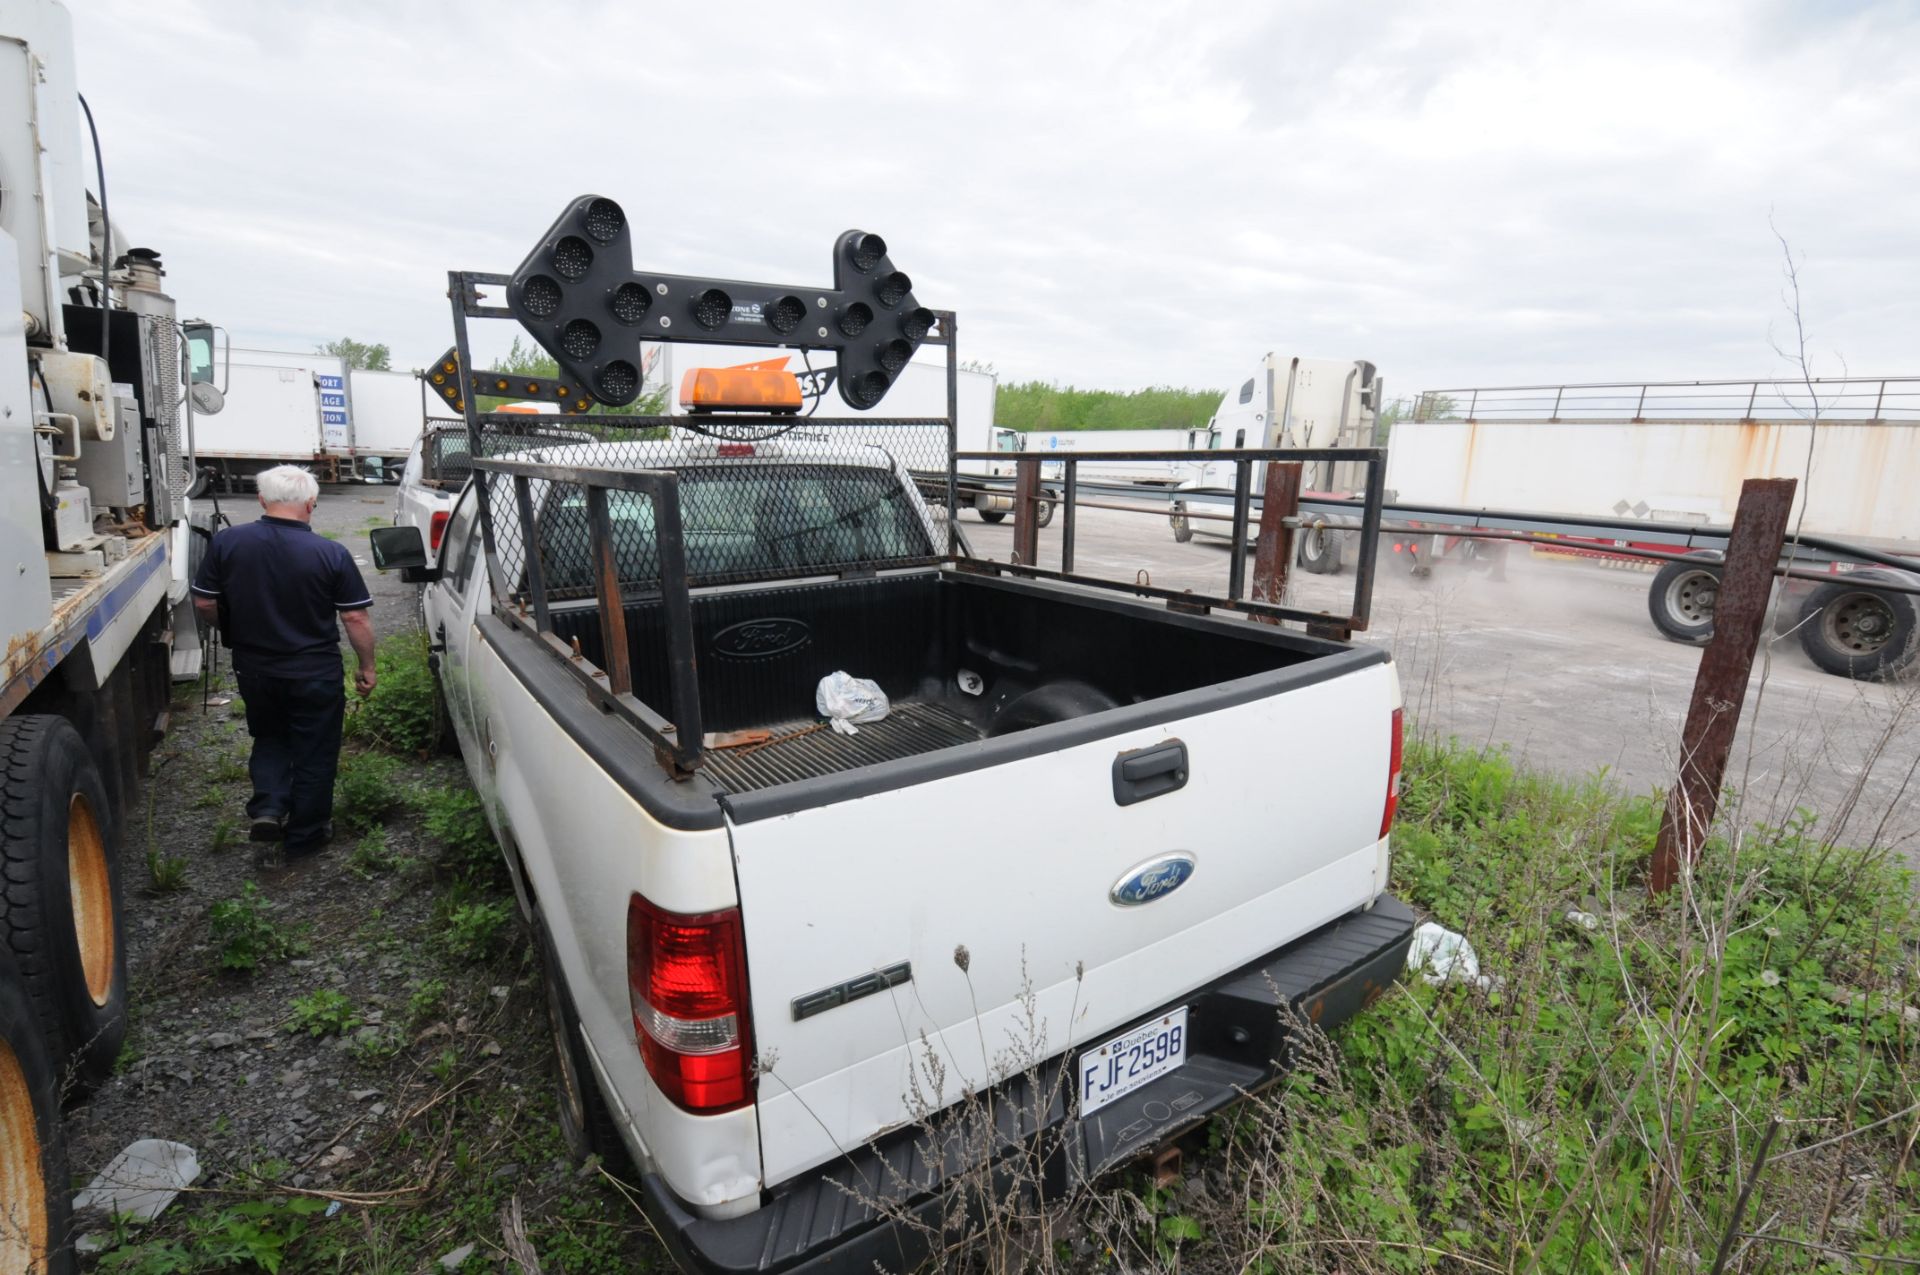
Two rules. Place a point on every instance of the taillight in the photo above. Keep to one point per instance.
(438, 528)
(687, 978)
(1393, 778)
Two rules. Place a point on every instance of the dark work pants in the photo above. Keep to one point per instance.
(295, 724)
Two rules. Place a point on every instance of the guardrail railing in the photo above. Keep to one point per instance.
(1868, 399)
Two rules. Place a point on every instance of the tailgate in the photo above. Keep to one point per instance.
(1019, 863)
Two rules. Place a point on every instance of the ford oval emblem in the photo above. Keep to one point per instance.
(1154, 879)
(761, 639)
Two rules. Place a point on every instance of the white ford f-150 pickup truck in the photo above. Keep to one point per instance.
(779, 957)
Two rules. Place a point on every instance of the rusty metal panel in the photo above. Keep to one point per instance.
(1273, 552)
(1720, 688)
(1026, 498)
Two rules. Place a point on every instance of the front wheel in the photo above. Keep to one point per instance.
(1681, 600)
(1043, 512)
(1177, 519)
(1858, 632)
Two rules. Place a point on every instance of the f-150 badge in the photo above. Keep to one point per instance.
(1154, 879)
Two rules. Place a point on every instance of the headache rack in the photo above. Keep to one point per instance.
(614, 486)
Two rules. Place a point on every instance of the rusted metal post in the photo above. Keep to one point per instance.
(1026, 507)
(606, 581)
(1273, 553)
(1720, 687)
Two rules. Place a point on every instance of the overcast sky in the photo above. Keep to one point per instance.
(1109, 195)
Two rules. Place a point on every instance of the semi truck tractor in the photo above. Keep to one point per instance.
(99, 387)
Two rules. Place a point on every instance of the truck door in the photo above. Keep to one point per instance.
(447, 610)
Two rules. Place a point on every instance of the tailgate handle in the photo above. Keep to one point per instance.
(1144, 773)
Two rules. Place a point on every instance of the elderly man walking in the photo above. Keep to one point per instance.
(274, 587)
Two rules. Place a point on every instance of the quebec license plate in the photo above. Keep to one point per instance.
(1123, 1064)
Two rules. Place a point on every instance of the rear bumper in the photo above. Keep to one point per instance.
(883, 1204)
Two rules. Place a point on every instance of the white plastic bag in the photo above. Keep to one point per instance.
(1440, 954)
(847, 699)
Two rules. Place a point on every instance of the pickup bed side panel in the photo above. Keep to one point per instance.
(1280, 812)
(586, 846)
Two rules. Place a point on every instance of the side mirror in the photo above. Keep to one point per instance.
(400, 548)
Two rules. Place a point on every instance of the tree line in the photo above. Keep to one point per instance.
(1038, 405)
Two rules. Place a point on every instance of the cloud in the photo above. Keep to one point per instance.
(1110, 196)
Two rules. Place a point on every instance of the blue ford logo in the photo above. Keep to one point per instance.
(1152, 880)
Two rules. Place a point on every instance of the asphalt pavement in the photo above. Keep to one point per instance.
(1557, 663)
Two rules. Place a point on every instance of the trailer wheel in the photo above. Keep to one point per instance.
(60, 877)
(33, 1151)
(1177, 519)
(992, 515)
(586, 1123)
(1319, 551)
(1681, 600)
(1857, 632)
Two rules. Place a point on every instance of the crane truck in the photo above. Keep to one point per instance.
(96, 537)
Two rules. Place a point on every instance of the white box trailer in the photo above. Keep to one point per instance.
(285, 407)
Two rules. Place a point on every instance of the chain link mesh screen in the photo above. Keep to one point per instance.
(761, 498)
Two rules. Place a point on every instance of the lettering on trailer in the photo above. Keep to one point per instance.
(333, 408)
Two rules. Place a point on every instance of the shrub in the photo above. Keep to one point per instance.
(364, 793)
(325, 1012)
(458, 822)
(472, 931)
(401, 713)
(246, 935)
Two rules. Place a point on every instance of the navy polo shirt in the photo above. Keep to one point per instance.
(280, 586)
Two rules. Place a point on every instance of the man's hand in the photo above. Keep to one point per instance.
(360, 635)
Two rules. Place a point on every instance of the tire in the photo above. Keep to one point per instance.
(1043, 512)
(60, 877)
(1853, 631)
(1319, 551)
(34, 1219)
(993, 515)
(1182, 529)
(1681, 599)
(586, 1122)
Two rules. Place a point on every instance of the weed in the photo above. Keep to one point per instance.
(401, 713)
(211, 799)
(246, 936)
(372, 856)
(329, 535)
(364, 793)
(223, 834)
(255, 1234)
(428, 1001)
(230, 768)
(324, 1012)
(472, 931)
(446, 1064)
(375, 1047)
(457, 821)
(166, 873)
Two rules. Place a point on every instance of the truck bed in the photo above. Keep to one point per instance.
(1035, 654)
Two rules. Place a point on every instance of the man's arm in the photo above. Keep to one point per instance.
(208, 609)
(360, 636)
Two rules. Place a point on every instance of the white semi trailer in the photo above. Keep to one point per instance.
(96, 440)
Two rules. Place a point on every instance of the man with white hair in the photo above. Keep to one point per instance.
(274, 588)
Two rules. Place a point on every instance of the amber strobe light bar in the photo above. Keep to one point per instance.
(579, 296)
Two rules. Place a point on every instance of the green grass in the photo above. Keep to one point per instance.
(247, 935)
(1599, 1104)
(325, 1012)
(365, 792)
(1039, 406)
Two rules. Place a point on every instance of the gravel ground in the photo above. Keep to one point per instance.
(428, 1112)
